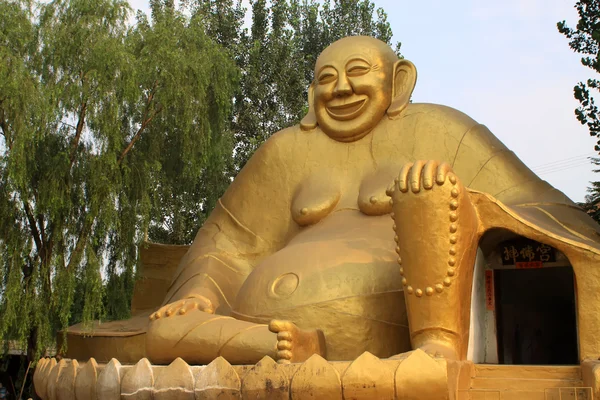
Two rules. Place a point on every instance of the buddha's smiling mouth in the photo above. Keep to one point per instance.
(347, 110)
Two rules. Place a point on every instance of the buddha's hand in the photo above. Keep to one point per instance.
(422, 175)
(180, 307)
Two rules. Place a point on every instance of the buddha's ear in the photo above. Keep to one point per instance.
(309, 122)
(405, 78)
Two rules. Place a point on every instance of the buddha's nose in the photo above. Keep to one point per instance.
(343, 87)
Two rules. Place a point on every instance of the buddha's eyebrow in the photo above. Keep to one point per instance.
(357, 58)
(323, 67)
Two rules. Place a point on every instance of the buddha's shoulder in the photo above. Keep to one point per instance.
(284, 146)
(281, 141)
(290, 140)
(449, 117)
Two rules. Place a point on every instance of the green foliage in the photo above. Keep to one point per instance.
(585, 40)
(109, 131)
(591, 203)
(113, 132)
(278, 54)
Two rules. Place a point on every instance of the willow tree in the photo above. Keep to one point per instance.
(107, 130)
(277, 55)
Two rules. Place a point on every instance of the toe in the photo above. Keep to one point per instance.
(284, 345)
(277, 326)
(284, 355)
(285, 336)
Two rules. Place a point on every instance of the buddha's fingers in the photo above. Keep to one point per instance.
(429, 171)
(188, 306)
(165, 311)
(403, 177)
(442, 172)
(174, 308)
(415, 176)
(181, 307)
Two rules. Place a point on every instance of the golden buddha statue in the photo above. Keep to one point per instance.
(299, 256)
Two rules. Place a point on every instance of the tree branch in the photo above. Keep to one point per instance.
(5, 130)
(78, 131)
(139, 133)
(69, 125)
(33, 227)
(145, 121)
(40, 222)
(79, 246)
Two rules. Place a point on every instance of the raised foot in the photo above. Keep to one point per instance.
(295, 344)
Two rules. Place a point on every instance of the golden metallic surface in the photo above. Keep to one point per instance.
(299, 235)
(414, 376)
(299, 257)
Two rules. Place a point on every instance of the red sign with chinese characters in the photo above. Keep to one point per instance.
(529, 264)
(489, 290)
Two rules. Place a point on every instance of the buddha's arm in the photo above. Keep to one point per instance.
(250, 222)
(484, 164)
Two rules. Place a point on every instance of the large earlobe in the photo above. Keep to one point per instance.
(405, 79)
(309, 122)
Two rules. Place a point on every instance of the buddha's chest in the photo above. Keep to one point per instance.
(359, 184)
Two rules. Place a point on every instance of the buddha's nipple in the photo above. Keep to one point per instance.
(315, 198)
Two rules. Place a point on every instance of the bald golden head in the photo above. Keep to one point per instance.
(369, 46)
(353, 87)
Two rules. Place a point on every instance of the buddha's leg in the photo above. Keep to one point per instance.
(436, 231)
(200, 337)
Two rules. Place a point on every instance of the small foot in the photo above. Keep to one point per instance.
(295, 344)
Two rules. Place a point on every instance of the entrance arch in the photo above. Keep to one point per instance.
(523, 305)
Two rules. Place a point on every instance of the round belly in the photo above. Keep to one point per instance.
(339, 276)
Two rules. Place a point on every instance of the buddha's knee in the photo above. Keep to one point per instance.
(436, 229)
(435, 226)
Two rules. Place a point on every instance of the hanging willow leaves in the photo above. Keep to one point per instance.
(116, 129)
(108, 130)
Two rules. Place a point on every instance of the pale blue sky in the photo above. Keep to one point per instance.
(505, 64)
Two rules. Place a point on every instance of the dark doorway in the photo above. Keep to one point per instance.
(535, 316)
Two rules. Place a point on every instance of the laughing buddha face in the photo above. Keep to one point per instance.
(353, 86)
